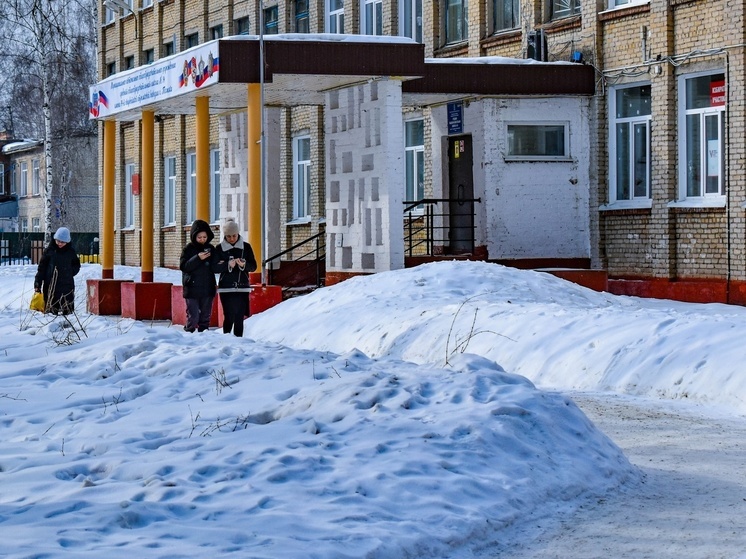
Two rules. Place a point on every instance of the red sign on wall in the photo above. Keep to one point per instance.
(136, 184)
(717, 93)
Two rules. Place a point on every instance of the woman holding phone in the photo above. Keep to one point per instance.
(198, 277)
(235, 260)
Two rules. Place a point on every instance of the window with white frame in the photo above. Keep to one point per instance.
(146, 3)
(372, 11)
(538, 141)
(456, 26)
(565, 8)
(24, 179)
(618, 3)
(36, 224)
(215, 186)
(410, 19)
(335, 16)
(702, 101)
(414, 159)
(169, 190)
(129, 196)
(301, 176)
(191, 190)
(24, 225)
(629, 144)
(13, 179)
(35, 178)
(505, 14)
(109, 14)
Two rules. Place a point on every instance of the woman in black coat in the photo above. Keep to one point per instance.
(234, 262)
(54, 276)
(197, 276)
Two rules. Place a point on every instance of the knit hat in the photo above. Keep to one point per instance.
(62, 234)
(230, 228)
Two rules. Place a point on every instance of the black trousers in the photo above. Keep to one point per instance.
(235, 308)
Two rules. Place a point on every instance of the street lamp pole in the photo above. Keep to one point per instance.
(263, 143)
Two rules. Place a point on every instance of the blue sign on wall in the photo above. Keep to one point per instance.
(456, 117)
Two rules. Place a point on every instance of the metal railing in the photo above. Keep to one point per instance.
(27, 248)
(307, 260)
(430, 225)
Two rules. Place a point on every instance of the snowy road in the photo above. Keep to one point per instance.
(691, 505)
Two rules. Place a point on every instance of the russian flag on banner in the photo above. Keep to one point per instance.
(102, 99)
(97, 99)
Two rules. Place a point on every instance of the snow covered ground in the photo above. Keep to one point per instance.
(427, 412)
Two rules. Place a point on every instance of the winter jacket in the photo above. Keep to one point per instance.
(197, 276)
(235, 277)
(54, 277)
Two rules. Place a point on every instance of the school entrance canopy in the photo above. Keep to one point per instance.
(225, 76)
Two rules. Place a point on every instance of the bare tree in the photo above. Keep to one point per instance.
(51, 58)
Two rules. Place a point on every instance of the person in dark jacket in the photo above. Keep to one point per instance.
(234, 262)
(197, 276)
(58, 266)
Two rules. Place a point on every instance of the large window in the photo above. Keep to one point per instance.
(129, 195)
(701, 129)
(410, 19)
(35, 178)
(169, 191)
(565, 8)
(301, 176)
(191, 190)
(414, 157)
(505, 14)
(335, 20)
(372, 11)
(215, 186)
(301, 17)
(456, 26)
(538, 141)
(24, 179)
(629, 148)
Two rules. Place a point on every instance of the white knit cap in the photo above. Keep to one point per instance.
(62, 234)
(230, 228)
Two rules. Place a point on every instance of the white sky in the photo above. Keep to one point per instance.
(383, 417)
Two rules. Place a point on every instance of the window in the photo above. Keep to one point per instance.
(505, 14)
(169, 191)
(565, 8)
(701, 131)
(301, 17)
(411, 19)
(109, 15)
(148, 56)
(216, 32)
(617, 3)
(24, 225)
(215, 186)
(24, 179)
(414, 158)
(111, 68)
(301, 176)
(13, 180)
(2, 178)
(36, 224)
(372, 17)
(129, 196)
(35, 178)
(335, 21)
(146, 3)
(241, 26)
(455, 21)
(629, 148)
(129, 62)
(271, 21)
(191, 191)
(538, 141)
(168, 48)
(191, 40)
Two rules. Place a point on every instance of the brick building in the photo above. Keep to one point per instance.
(638, 177)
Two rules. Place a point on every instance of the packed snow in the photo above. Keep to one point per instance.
(425, 412)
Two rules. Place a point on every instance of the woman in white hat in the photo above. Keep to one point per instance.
(54, 276)
(235, 261)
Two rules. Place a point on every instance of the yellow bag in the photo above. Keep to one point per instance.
(37, 301)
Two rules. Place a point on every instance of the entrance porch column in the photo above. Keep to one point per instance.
(107, 226)
(202, 202)
(254, 137)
